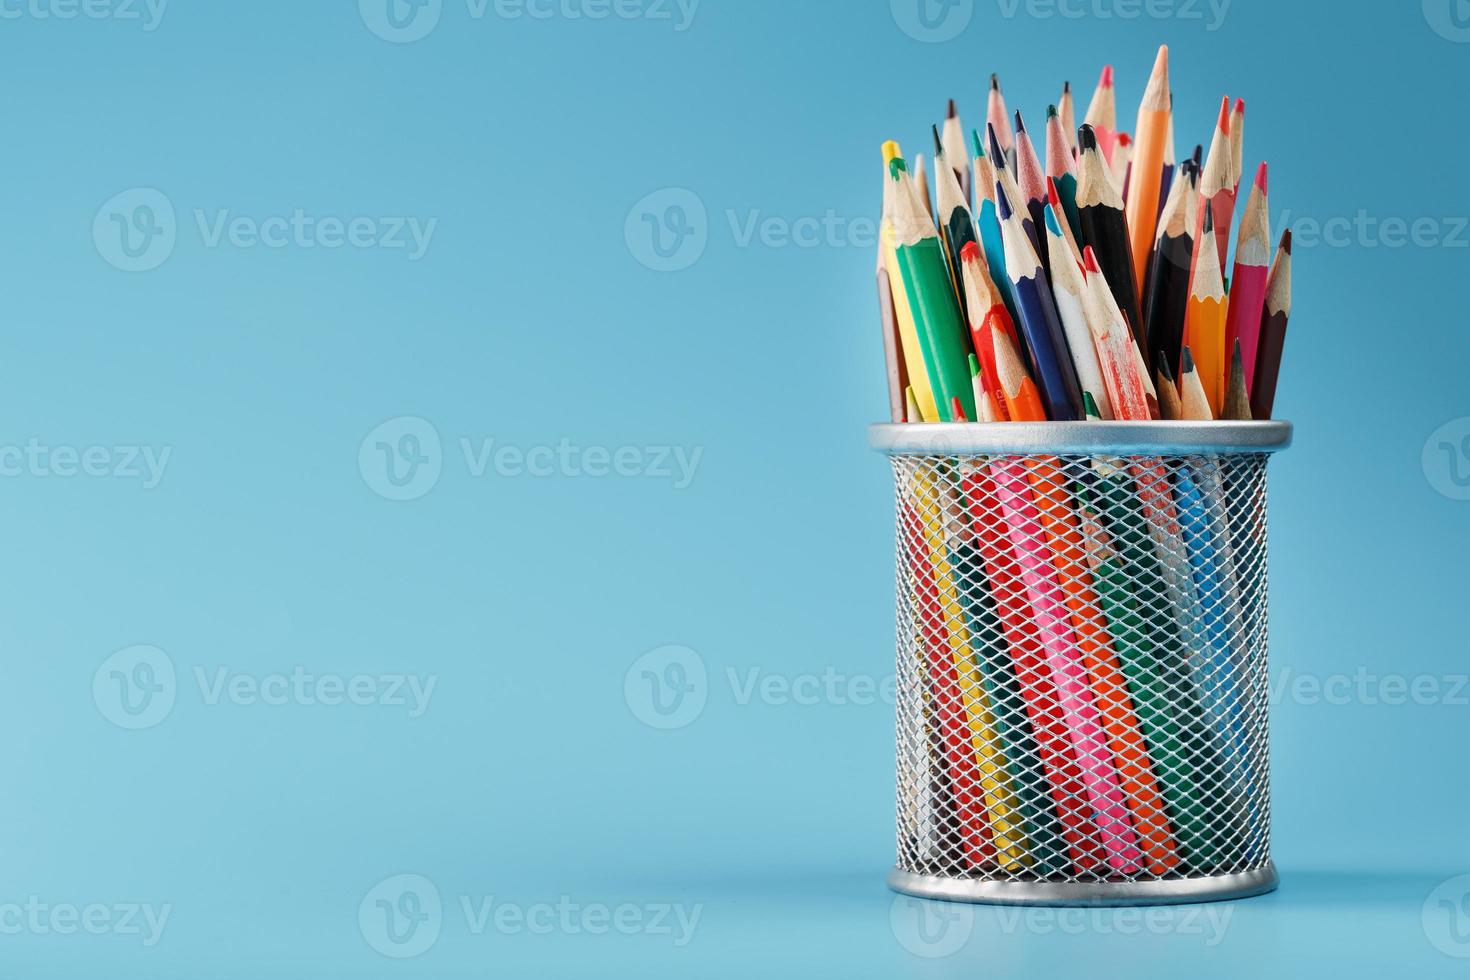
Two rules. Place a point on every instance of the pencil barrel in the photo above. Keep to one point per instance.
(1082, 659)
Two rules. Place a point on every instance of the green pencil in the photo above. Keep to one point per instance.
(932, 297)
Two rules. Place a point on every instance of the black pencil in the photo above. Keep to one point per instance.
(1105, 228)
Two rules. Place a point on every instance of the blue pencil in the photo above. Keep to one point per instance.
(1225, 697)
(987, 223)
(1056, 378)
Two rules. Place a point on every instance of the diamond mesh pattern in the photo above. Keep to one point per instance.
(1082, 667)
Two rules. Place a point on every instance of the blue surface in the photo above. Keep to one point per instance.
(536, 772)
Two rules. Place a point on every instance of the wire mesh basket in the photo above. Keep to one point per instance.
(1082, 666)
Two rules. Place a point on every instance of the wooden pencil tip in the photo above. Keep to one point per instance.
(938, 144)
(1286, 241)
(994, 82)
(970, 253)
(1087, 137)
(891, 149)
(1223, 123)
(1020, 126)
(1261, 177)
(958, 408)
(1051, 113)
(1106, 81)
(1164, 370)
(1209, 224)
(1066, 88)
(995, 151)
(1186, 362)
(1161, 61)
(953, 112)
(1240, 107)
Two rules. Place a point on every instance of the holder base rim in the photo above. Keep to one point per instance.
(1068, 894)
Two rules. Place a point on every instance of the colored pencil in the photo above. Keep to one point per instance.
(1170, 408)
(1105, 229)
(998, 118)
(1069, 288)
(1102, 115)
(1039, 323)
(987, 222)
(913, 352)
(985, 310)
(1237, 142)
(1273, 331)
(892, 343)
(955, 153)
(955, 221)
(1217, 188)
(1005, 179)
(1166, 174)
(921, 185)
(931, 295)
(1031, 181)
(1151, 134)
(1248, 281)
(1204, 318)
(1121, 166)
(1194, 401)
(1128, 395)
(1055, 202)
(1052, 620)
(1067, 109)
(1168, 278)
(1061, 170)
(1237, 398)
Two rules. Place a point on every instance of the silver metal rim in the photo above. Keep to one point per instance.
(1082, 438)
(1183, 891)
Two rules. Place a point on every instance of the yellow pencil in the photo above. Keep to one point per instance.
(908, 334)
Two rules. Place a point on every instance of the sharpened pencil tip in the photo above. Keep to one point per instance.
(1020, 126)
(1223, 123)
(1240, 106)
(979, 144)
(1002, 203)
(995, 151)
(1106, 81)
(1051, 112)
(974, 366)
(1066, 88)
(953, 112)
(994, 82)
(958, 409)
(1087, 137)
(1052, 226)
(1261, 177)
(1286, 241)
(938, 144)
(1186, 362)
(1089, 405)
(1209, 224)
(970, 253)
(891, 149)
(1089, 260)
(1163, 366)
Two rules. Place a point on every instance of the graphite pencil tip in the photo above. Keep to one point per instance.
(1087, 137)
(1002, 203)
(995, 151)
(1020, 126)
(1163, 367)
(1186, 361)
(1286, 241)
(994, 82)
(1067, 88)
(938, 144)
(1051, 112)
(953, 112)
(1209, 224)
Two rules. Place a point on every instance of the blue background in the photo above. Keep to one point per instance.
(531, 319)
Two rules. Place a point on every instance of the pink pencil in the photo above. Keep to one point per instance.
(1248, 282)
(1051, 619)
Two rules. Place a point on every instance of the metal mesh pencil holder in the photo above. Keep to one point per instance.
(1082, 661)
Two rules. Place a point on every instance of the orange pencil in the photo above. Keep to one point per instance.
(1149, 150)
(1204, 318)
(1217, 188)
